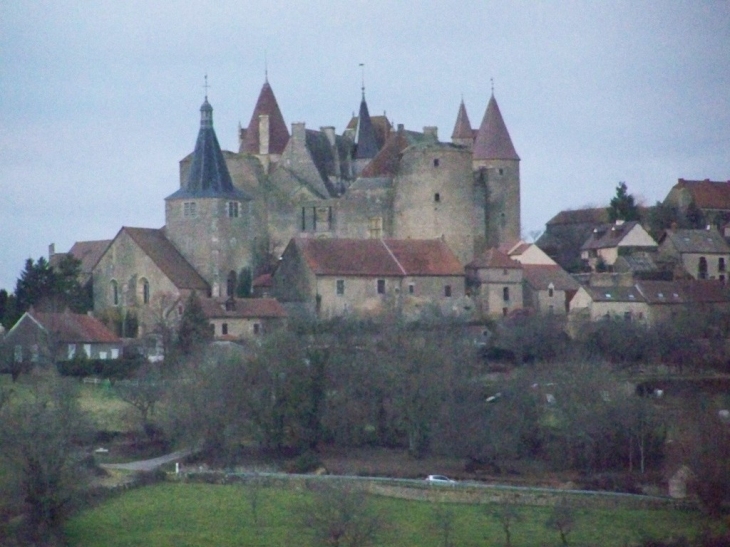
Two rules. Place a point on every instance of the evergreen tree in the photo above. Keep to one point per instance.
(51, 288)
(194, 330)
(622, 205)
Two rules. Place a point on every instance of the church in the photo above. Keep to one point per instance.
(236, 212)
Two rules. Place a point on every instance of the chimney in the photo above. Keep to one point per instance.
(298, 131)
(264, 134)
(431, 130)
(400, 128)
(51, 250)
(329, 131)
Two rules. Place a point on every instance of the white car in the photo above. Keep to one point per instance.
(440, 479)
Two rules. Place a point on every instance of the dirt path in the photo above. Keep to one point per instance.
(148, 465)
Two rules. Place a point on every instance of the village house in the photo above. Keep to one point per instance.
(710, 198)
(238, 319)
(701, 254)
(495, 282)
(39, 338)
(608, 241)
(326, 278)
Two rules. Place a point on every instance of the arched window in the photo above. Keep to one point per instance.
(143, 288)
(702, 269)
(231, 284)
(114, 289)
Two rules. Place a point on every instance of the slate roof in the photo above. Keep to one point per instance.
(278, 132)
(208, 176)
(494, 258)
(665, 292)
(639, 262)
(697, 241)
(608, 235)
(540, 276)
(493, 141)
(380, 124)
(167, 258)
(243, 308)
(379, 257)
(75, 328)
(462, 128)
(365, 139)
(323, 156)
(614, 294)
(707, 194)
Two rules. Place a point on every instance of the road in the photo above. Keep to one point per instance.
(148, 465)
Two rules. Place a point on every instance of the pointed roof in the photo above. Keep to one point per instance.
(278, 132)
(208, 176)
(462, 128)
(365, 140)
(493, 141)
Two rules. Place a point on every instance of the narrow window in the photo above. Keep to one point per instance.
(551, 292)
(381, 286)
(143, 291)
(436, 162)
(375, 227)
(505, 294)
(304, 219)
(447, 291)
(18, 355)
(702, 268)
(411, 288)
(190, 209)
(721, 264)
(256, 328)
(231, 283)
(87, 350)
(437, 197)
(34, 353)
(233, 209)
(71, 351)
(114, 287)
(504, 311)
(340, 287)
(500, 171)
(224, 329)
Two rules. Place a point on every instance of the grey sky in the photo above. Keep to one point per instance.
(99, 100)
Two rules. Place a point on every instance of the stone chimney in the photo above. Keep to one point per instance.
(298, 131)
(264, 134)
(329, 131)
(432, 131)
(51, 250)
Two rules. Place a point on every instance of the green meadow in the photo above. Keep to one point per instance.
(197, 515)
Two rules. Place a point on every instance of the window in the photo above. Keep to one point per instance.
(504, 311)
(34, 354)
(71, 351)
(447, 291)
(233, 209)
(115, 353)
(551, 292)
(87, 350)
(437, 197)
(721, 264)
(381, 286)
(190, 209)
(702, 268)
(375, 227)
(505, 294)
(500, 171)
(256, 328)
(114, 287)
(436, 162)
(224, 329)
(231, 283)
(411, 288)
(18, 354)
(340, 287)
(143, 291)
(103, 355)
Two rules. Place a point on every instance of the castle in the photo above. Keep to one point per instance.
(239, 210)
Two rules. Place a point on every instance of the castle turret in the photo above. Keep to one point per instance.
(366, 143)
(463, 134)
(497, 168)
(208, 218)
(266, 135)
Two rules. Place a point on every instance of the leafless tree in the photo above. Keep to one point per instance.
(562, 519)
(507, 513)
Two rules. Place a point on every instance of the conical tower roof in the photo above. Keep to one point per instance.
(493, 141)
(208, 175)
(462, 128)
(278, 132)
(367, 144)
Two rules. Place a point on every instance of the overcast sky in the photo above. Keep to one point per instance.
(99, 100)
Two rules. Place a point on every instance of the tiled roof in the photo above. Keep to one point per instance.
(253, 308)
(89, 253)
(380, 124)
(365, 140)
(462, 128)
(494, 258)
(707, 194)
(166, 257)
(608, 235)
(278, 132)
(493, 141)
(697, 241)
(74, 327)
(540, 276)
(597, 215)
(385, 162)
(376, 257)
(208, 175)
(264, 280)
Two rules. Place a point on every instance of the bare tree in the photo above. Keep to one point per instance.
(443, 523)
(562, 519)
(340, 515)
(143, 393)
(507, 513)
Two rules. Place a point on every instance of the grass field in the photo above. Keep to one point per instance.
(197, 515)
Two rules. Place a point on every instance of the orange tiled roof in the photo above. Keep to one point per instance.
(75, 327)
(707, 194)
(494, 258)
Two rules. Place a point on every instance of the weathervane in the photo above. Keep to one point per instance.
(362, 70)
(492, 81)
(206, 86)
